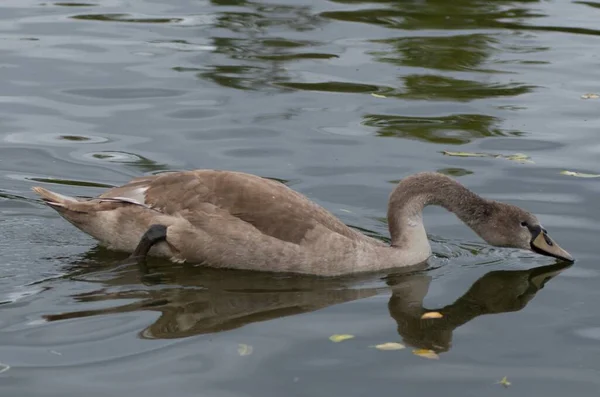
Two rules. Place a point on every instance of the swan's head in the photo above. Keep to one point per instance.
(506, 225)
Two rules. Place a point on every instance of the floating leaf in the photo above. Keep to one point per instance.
(465, 154)
(580, 174)
(590, 96)
(340, 337)
(426, 353)
(504, 382)
(431, 315)
(519, 157)
(378, 95)
(389, 346)
(4, 367)
(245, 350)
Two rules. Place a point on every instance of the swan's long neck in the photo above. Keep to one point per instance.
(405, 211)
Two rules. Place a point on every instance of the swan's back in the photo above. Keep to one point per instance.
(270, 206)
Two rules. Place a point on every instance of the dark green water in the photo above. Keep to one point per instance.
(95, 93)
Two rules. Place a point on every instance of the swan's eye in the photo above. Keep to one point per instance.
(524, 224)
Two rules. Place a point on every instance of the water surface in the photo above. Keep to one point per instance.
(339, 100)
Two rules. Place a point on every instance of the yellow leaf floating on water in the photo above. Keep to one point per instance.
(431, 315)
(464, 154)
(378, 95)
(390, 346)
(580, 174)
(426, 353)
(340, 337)
(504, 382)
(518, 157)
(590, 96)
(245, 350)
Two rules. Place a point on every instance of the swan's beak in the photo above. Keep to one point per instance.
(543, 244)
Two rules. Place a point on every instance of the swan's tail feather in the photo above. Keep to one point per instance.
(60, 202)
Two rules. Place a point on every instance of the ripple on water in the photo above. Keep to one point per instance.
(199, 113)
(351, 129)
(589, 333)
(452, 52)
(334, 86)
(78, 342)
(335, 142)
(143, 163)
(296, 56)
(455, 172)
(434, 87)
(419, 86)
(65, 4)
(20, 294)
(243, 77)
(124, 93)
(128, 18)
(233, 133)
(521, 144)
(181, 45)
(455, 129)
(182, 20)
(349, 170)
(345, 194)
(114, 157)
(258, 153)
(30, 138)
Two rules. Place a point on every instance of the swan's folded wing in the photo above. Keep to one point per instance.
(270, 206)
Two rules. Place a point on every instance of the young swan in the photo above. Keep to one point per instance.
(238, 220)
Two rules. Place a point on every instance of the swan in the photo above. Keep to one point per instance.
(238, 220)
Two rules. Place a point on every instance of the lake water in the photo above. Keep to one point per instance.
(339, 100)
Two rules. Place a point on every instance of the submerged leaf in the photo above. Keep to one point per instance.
(245, 350)
(520, 157)
(426, 353)
(580, 174)
(504, 382)
(590, 96)
(389, 346)
(340, 337)
(429, 315)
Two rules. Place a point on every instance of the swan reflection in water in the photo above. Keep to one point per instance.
(199, 300)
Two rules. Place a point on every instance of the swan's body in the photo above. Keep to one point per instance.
(237, 220)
